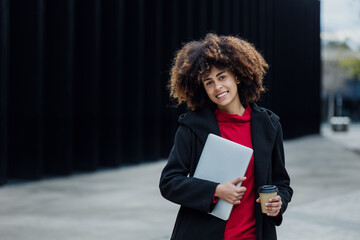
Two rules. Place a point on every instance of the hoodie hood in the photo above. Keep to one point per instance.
(202, 122)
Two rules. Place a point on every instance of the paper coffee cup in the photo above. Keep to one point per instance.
(266, 192)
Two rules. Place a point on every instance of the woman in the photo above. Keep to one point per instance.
(219, 78)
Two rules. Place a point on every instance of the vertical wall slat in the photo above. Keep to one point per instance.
(151, 72)
(131, 89)
(86, 77)
(57, 119)
(109, 84)
(25, 86)
(140, 76)
(4, 46)
(119, 80)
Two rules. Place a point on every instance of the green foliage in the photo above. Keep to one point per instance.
(352, 67)
(338, 45)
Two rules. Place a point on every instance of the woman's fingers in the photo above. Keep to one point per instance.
(235, 201)
(237, 195)
(229, 192)
(275, 199)
(273, 214)
(240, 189)
(238, 180)
(274, 206)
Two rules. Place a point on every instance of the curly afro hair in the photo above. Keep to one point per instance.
(195, 59)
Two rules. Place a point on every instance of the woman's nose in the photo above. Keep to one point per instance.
(218, 86)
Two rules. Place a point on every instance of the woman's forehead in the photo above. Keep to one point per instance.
(215, 71)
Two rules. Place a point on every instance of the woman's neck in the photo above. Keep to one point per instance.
(234, 109)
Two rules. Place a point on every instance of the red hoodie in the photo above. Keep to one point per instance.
(241, 223)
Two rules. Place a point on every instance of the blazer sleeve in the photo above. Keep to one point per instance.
(175, 183)
(280, 176)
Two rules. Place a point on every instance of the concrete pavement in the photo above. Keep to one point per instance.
(125, 203)
(325, 174)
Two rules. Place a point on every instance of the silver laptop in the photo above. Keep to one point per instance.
(221, 161)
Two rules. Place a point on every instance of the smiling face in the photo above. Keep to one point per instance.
(221, 87)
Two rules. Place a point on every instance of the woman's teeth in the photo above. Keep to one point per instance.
(221, 95)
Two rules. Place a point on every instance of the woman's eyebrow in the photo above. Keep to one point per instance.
(220, 73)
(216, 76)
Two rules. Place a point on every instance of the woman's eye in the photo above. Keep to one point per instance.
(208, 83)
(221, 77)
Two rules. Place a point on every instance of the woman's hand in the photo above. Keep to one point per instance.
(230, 192)
(274, 205)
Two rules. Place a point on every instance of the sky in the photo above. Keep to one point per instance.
(340, 20)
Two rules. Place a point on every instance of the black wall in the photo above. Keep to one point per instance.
(83, 82)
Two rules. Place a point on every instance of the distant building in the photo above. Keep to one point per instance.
(340, 92)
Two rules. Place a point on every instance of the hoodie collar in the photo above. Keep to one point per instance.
(202, 122)
(222, 116)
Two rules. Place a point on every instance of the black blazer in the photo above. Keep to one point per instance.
(195, 195)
